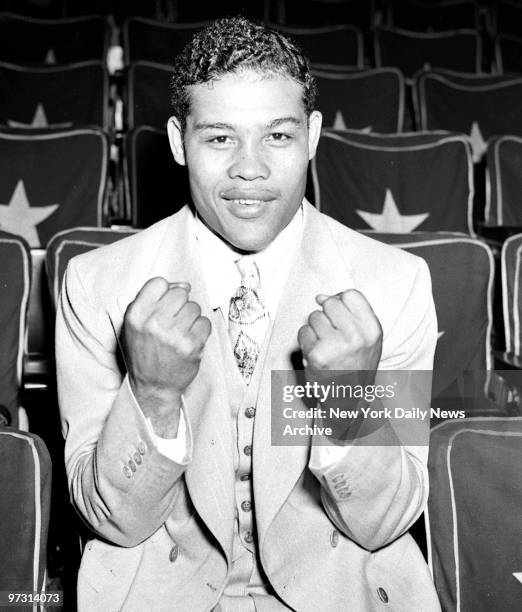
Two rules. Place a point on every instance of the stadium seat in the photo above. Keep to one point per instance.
(481, 106)
(42, 9)
(25, 482)
(147, 96)
(325, 12)
(369, 100)
(330, 47)
(51, 181)
(155, 185)
(473, 513)
(511, 260)
(155, 41)
(69, 243)
(395, 183)
(504, 181)
(57, 41)
(199, 10)
(459, 50)
(506, 17)
(419, 15)
(462, 274)
(508, 54)
(76, 94)
(15, 285)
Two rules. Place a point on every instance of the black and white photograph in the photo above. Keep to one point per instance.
(260, 339)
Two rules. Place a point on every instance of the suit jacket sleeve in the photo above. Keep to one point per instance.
(377, 486)
(122, 486)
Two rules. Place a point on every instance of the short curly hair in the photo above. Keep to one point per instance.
(232, 44)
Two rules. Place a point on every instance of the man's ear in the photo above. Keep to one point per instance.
(315, 121)
(176, 140)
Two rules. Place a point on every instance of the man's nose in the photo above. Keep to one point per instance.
(249, 164)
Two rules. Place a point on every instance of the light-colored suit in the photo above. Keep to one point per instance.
(319, 552)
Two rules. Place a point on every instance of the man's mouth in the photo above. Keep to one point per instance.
(248, 197)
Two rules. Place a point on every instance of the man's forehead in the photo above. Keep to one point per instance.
(271, 94)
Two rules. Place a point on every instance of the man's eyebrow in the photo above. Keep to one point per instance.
(204, 125)
(277, 122)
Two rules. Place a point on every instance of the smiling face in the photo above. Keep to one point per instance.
(247, 144)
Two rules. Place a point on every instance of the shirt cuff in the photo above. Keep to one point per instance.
(178, 449)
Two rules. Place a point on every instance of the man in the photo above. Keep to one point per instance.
(165, 346)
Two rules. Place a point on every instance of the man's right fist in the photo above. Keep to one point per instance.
(163, 339)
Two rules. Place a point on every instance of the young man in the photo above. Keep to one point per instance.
(165, 346)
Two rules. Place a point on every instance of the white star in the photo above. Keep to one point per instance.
(50, 57)
(391, 220)
(478, 145)
(19, 217)
(518, 576)
(39, 119)
(339, 123)
(440, 334)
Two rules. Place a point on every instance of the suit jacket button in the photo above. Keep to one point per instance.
(247, 450)
(334, 538)
(174, 552)
(383, 596)
(142, 448)
(127, 472)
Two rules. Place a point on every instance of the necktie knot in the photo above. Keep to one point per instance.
(249, 272)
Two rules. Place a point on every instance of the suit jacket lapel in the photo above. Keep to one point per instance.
(209, 477)
(317, 268)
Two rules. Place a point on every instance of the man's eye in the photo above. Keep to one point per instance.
(220, 139)
(279, 136)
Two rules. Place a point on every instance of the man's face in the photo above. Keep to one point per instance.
(247, 144)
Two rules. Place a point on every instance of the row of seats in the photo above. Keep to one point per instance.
(496, 15)
(89, 38)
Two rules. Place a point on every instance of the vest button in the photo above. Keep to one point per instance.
(383, 596)
(249, 538)
(250, 412)
(247, 450)
(244, 477)
(246, 506)
(174, 552)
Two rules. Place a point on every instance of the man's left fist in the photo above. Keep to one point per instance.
(344, 335)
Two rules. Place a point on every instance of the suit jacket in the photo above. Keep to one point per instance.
(165, 533)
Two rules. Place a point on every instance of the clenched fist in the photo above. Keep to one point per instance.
(163, 339)
(344, 335)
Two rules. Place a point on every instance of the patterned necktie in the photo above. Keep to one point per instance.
(248, 319)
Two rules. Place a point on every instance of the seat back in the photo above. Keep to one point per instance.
(51, 181)
(437, 16)
(511, 262)
(156, 41)
(508, 54)
(368, 100)
(504, 181)
(55, 95)
(147, 95)
(155, 185)
(473, 513)
(412, 51)
(15, 285)
(396, 183)
(69, 243)
(336, 45)
(58, 41)
(481, 106)
(25, 482)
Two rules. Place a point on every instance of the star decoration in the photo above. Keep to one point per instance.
(518, 576)
(39, 119)
(50, 57)
(478, 144)
(19, 217)
(440, 334)
(391, 220)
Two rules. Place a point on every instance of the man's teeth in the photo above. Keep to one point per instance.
(247, 201)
